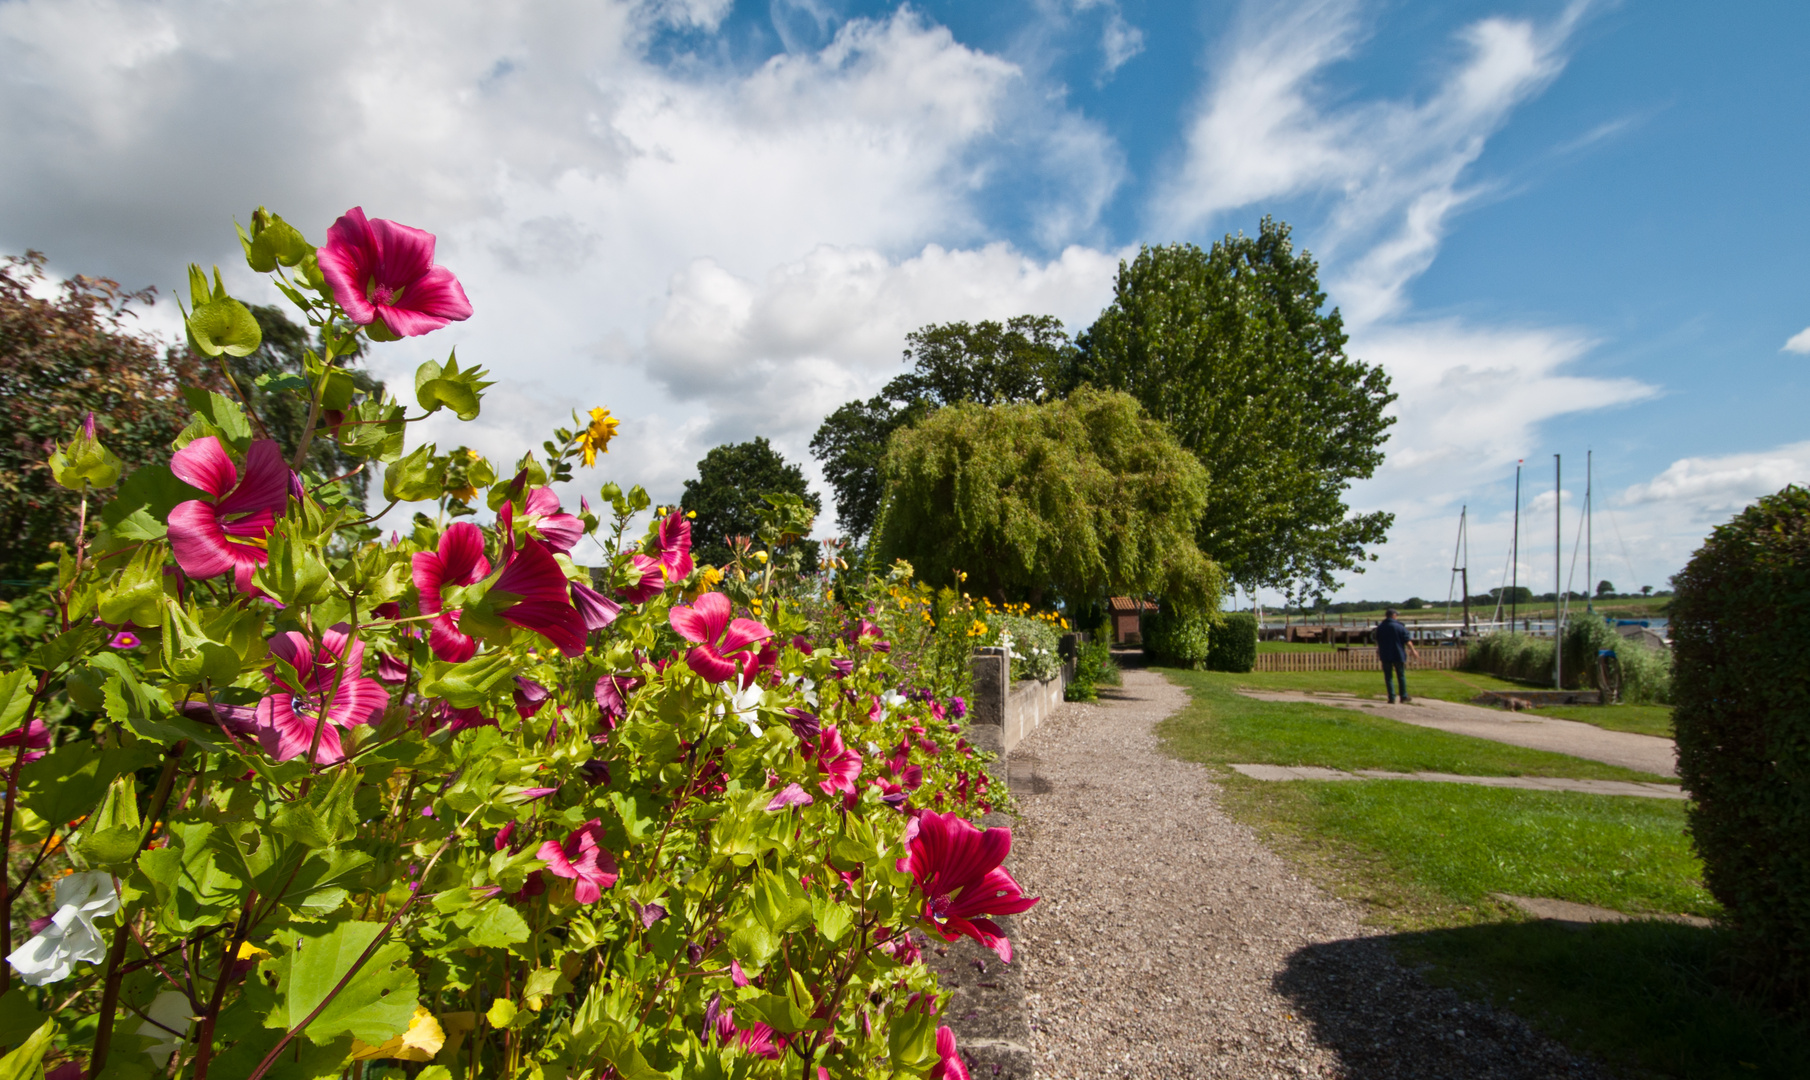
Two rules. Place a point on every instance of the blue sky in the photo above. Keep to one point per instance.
(1560, 227)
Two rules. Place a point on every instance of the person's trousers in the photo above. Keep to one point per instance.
(1395, 674)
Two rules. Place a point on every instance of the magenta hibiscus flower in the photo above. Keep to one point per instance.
(543, 598)
(949, 1064)
(542, 516)
(34, 737)
(459, 562)
(706, 623)
(329, 685)
(226, 532)
(957, 867)
(649, 580)
(582, 858)
(842, 764)
(674, 539)
(382, 270)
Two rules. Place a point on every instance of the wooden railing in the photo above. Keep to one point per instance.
(1359, 658)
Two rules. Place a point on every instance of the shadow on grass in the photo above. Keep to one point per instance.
(1642, 996)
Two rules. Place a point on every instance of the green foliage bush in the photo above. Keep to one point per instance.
(1512, 656)
(1232, 646)
(1741, 634)
(1094, 667)
(1646, 677)
(1181, 639)
(1034, 647)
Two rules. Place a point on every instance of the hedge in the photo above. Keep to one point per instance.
(1177, 639)
(1232, 646)
(1741, 644)
(1646, 676)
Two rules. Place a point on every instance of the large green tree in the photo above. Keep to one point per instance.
(987, 362)
(62, 357)
(1233, 350)
(726, 496)
(1082, 497)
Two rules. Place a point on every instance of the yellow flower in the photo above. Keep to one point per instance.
(761, 555)
(691, 514)
(420, 1042)
(754, 605)
(597, 437)
(464, 494)
(978, 629)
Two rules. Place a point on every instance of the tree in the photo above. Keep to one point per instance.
(61, 359)
(264, 379)
(1605, 588)
(726, 496)
(986, 362)
(1646, 590)
(1231, 350)
(1084, 497)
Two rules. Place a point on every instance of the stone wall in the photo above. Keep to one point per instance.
(1001, 716)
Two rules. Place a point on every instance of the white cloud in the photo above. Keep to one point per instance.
(1799, 342)
(1268, 127)
(1710, 488)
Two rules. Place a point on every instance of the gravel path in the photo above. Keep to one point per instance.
(1647, 753)
(1170, 943)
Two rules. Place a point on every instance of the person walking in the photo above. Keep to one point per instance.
(1393, 647)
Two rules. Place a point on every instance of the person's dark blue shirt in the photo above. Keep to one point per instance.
(1392, 642)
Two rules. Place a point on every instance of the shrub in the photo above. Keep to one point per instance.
(1645, 672)
(1741, 640)
(1179, 639)
(1512, 656)
(1094, 667)
(1232, 646)
(1033, 646)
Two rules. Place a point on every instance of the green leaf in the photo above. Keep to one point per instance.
(85, 464)
(438, 387)
(471, 683)
(378, 1001)
(224, 326)
(415, 477)
(110, 837)
(833, 918)
(499, 926)
(753, 945)
(273, 243)
(779, 902)
(138, 594)
(911, 1040)
(16, 689)
(72, 778)
(501, 1013)
(215, 414)
(327, 819)
(139, 510)
(27, 1062)
(18, 1017)
(65, 647)
(374, 429)
(192, 889)
(294, 571)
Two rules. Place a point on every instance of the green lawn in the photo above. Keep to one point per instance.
(1639, 719)
(1444, 685)
(1425, 858)
(1224, 727)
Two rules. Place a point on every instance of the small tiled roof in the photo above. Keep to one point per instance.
(1126, 605)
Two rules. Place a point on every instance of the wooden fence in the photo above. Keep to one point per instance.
(1432, 657)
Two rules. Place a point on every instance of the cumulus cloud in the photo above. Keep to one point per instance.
(1799, 342)
(1715, 487)
(1268, 127)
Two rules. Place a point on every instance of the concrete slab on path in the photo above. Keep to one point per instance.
(1646, 753)
(1525, 783)
(1566, 911)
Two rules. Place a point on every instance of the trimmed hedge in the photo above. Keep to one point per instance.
(1741, 648)
(1232, 646)
(1179, 640)
(1646, 676)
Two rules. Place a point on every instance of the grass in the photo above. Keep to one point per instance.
(1224, 727)
(1425, 859)
(1444, 685)
(1639, 719)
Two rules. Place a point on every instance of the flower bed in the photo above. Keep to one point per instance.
(448, 804)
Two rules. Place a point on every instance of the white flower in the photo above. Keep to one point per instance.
(745, 703)
(71, 935)
(169, 1024)
(894, 699)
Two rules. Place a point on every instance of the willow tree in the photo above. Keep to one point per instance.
(1081, 497)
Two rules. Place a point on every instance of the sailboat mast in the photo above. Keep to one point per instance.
(1514, 603)
(1589, 529)
(1558, 574)
(1464, 571)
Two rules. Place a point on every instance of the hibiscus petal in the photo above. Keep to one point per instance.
(359, 701)
(335, 641)
(533, 574)
(597, 609)
(555, 620)
(284, 735)
(462, 554)
(435, 297)
(742, 633)
(560, 531)
(649, 580)
(429, 572)
(348, 260)
(265, 486)
(689, 623)
(448, 642)
(790, 795)
(704, 660)
(404, 253)
(293, 649)
(205, 464)
(198, 541)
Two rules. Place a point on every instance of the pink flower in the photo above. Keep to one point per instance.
(957, 868)
(597, 610)
(529, 696)
(582, 858)
(648, 582)
(542, 517)
(611, 694)
(34, 737)
(706, 623)
(790, 795)
(328, 685)
(949, 1065)
(382, 270)
(125, 639)
(544, 601)
(841, 763)
(674, 539)
(391, 669)
(226, 532)
(459, 562)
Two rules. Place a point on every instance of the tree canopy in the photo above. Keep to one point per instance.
(1084, 496)
(987, 362)
(1230, 348)
(61, 359)
(726, 496)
